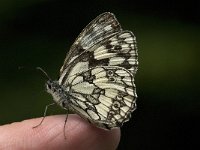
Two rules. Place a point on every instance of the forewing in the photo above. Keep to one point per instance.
(118, 50)
(104, 95)
(101, 28)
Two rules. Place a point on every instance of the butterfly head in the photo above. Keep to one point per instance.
(56, 91)
(52, 86)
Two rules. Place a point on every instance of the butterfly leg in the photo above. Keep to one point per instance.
(45, 111)
(65, 123)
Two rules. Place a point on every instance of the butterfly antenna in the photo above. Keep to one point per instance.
(44, 73)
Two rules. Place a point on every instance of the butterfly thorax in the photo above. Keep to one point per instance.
(58, 93)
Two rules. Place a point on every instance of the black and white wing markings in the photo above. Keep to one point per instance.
(98, 73)
(101, 28)
(118, 50)
(107, 98)
(105, 29)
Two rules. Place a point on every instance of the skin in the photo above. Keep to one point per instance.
(80, 135)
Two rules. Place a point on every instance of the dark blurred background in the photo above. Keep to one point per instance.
(39, 33)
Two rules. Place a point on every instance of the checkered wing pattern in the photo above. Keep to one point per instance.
(99, 72)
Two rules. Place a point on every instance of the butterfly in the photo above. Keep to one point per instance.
(97, 78)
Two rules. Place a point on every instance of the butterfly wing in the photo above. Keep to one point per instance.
(118, 50)
(102, 47)
(104, 95)
(101, 28)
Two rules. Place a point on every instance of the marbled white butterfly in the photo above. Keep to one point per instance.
(97, 77)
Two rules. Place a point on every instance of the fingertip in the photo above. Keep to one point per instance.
(88, 136)
(50, 135)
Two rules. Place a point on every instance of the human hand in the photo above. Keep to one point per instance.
(80, 135)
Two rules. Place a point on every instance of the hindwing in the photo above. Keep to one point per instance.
(104, 95)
